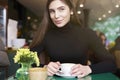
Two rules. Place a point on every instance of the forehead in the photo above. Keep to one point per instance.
(57, 3)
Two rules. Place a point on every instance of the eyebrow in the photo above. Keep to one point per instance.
(57, 8)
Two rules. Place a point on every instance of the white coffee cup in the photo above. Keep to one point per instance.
(66, 69)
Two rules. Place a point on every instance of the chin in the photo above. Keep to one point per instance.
(60, 25)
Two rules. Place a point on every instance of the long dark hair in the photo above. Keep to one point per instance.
(46, 22)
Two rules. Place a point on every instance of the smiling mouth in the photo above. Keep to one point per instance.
(58, 22)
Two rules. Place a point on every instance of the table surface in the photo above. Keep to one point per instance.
(103, 76)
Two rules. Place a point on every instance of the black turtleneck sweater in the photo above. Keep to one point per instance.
(70, 44)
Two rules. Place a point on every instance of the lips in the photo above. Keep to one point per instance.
(58, 21)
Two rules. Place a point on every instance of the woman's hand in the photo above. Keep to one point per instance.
(80, 70)
(53, 67)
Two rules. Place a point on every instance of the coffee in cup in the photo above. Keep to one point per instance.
(38, 73)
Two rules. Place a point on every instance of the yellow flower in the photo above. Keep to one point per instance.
(24, 55)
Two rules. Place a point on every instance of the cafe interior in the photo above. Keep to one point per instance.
(22, 18)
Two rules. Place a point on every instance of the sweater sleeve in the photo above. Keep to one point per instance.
(106, 60)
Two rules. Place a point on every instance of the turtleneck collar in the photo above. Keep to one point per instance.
(64, 28)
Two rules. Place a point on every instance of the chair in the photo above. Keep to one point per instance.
(4, 61)
(4, 68)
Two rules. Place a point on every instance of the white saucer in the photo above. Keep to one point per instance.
(64, 76)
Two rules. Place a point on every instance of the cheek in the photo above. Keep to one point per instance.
(51, 16)
(66, 14)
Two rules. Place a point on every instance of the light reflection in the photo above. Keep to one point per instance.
(81, 5)
(104, 15)
(28, 17)
(99, 19)
(117, 6)
(79, 12)
(109, 11)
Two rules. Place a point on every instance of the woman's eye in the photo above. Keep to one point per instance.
(51, 11)
(61, 9)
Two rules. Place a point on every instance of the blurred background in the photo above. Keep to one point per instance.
(19, 19)
(102, 15)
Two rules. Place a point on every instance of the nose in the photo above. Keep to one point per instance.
(57, 14)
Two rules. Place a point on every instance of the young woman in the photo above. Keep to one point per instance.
(66, 42)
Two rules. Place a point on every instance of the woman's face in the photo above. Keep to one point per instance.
(59, 13)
